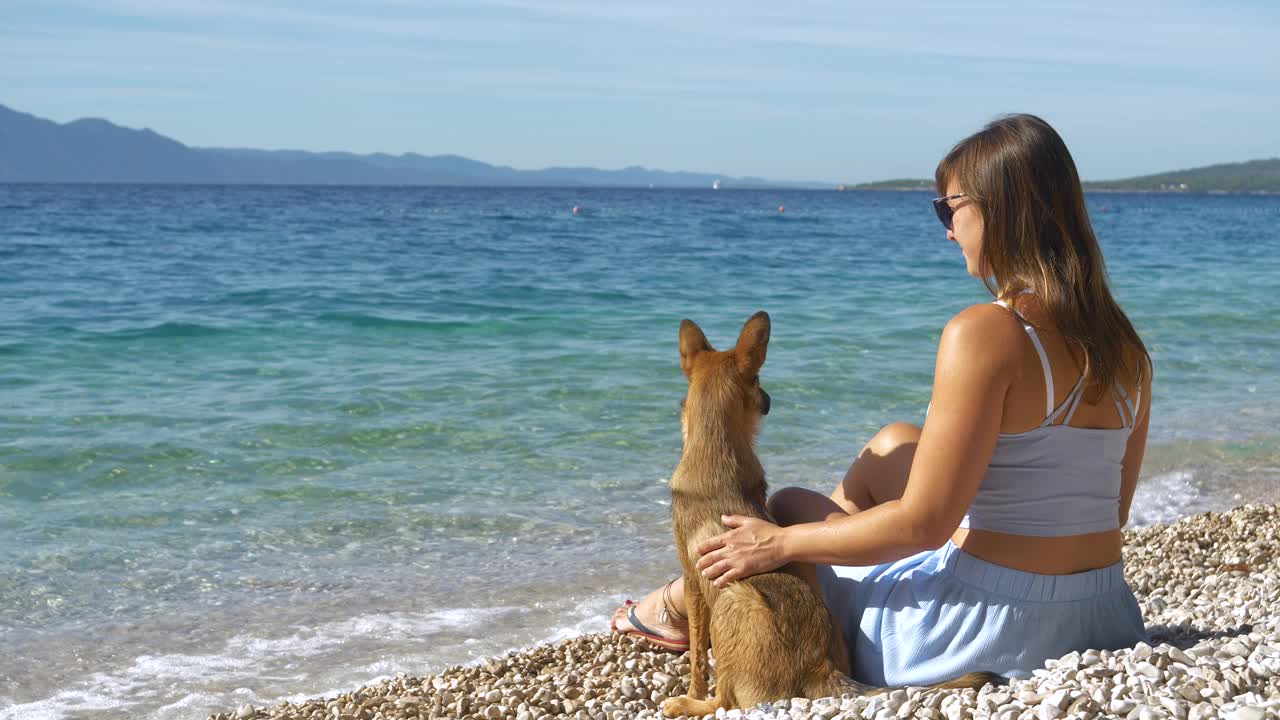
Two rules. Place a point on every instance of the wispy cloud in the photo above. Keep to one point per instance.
(97, 93)
(268, 18)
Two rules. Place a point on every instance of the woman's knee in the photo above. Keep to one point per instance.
(782, 505)
(793, 505)
(880, 471)
(892, 438)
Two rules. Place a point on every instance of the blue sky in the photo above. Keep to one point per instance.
(801, 90)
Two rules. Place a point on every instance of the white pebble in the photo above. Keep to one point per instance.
(1122, 707)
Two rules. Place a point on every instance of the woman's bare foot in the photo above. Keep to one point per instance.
(669, 630)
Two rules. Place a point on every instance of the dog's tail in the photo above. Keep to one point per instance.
(837, 684)
(840, 684)
(973, 680)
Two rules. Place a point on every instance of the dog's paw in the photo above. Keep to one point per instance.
(674, 707)
(685, 705)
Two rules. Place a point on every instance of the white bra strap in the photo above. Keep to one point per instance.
(1044, 357)
(1126, 415)
(1040, 350)
(1044, 365)
(1132, 405)
(1075, 403)
(1068, 404)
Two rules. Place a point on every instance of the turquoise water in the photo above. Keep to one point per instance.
(262, 443)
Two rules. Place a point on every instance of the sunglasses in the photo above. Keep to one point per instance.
(942, 206)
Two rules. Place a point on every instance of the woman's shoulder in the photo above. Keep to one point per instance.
(985, 329)
(984, 320)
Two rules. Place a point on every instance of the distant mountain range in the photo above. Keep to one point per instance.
(34, 149)
(1254, 176)
(92, 150)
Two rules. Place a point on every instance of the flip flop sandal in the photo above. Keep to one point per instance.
(639, 629)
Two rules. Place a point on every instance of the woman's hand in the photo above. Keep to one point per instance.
(752, 546)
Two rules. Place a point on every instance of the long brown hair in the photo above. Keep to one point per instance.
(1037, 236)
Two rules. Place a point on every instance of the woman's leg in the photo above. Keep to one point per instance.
(879, 474)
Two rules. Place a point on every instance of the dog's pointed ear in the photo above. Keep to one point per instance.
(692, 342)
(753, 341)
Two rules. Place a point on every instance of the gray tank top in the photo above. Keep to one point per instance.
(1055, 480)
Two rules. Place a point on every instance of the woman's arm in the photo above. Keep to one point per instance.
(1134, 450)
(977, 360)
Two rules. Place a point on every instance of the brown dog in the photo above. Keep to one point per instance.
(772, 633)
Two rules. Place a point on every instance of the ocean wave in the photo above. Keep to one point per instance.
(165, 331)
(168, 686)
(364, 320)
(493, 324)
(263, 297)
(1165, 498)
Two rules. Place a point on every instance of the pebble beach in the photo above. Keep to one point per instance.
(1208, 585)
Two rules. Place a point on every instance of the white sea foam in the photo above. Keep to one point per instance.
(170, 686)
(588, 616)
(1166, 497)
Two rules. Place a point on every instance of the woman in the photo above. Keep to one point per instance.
(988, 539)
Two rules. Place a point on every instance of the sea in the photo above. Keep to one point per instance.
(273, 443)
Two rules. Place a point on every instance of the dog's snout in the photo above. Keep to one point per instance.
(764, 402)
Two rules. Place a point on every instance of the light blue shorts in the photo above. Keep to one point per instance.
(942, 613)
